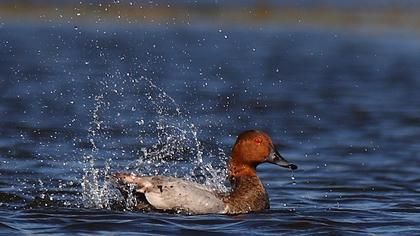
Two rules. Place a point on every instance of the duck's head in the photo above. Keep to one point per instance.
(252, 148)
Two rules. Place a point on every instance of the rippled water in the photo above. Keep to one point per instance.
(78, 103)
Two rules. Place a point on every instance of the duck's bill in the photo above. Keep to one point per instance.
(277, 159)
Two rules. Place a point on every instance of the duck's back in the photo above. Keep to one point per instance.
(169, 193)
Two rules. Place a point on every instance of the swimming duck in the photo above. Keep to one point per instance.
(248, 194)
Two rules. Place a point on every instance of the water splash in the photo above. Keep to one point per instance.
(96, 192)
(169, 142)
(177, 150)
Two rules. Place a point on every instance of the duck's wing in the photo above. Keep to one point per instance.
(169, 193)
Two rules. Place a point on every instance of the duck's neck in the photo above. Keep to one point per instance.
(237, 169)
(237, 166)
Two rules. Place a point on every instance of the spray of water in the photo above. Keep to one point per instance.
(169, 145)
(95, 193)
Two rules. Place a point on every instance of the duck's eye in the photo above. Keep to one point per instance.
(257, 140)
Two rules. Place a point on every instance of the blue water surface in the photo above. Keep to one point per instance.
(343, 106)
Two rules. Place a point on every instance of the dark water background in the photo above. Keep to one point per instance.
(344, 107)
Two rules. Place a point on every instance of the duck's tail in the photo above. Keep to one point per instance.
(131, 185)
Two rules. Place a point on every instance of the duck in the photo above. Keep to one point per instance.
(247, 194)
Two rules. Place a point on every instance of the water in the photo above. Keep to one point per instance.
(78, 103)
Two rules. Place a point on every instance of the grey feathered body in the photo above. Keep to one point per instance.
(175, 194)
(169, 193)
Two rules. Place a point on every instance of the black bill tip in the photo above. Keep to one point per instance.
(292, 166)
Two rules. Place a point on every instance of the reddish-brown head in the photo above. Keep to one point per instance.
(252, 148)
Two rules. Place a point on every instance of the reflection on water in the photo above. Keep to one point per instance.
(343, 107)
